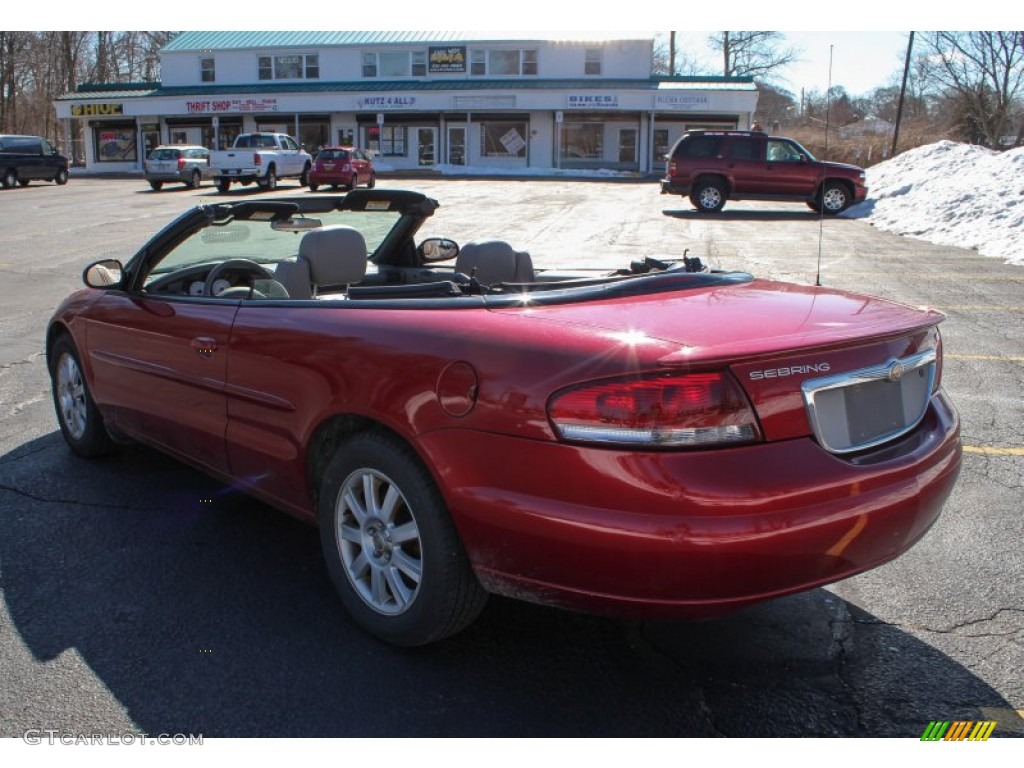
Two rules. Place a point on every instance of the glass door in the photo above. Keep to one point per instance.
(627, 145)
(426, 139)
(456, 145)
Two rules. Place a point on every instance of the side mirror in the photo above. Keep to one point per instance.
(438, 249)
(104, 274)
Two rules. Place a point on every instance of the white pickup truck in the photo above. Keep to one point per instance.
(260, 157)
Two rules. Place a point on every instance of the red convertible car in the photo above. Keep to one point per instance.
(660, 441)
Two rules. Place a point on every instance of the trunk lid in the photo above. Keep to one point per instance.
(787, 345)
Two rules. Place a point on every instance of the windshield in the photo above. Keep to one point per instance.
(258, 241)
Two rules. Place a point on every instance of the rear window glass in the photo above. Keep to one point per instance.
(164, 154)
(333, 154)
(700, 146)
(744, 149)
(20, 144)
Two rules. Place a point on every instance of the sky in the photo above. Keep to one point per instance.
(861, 61)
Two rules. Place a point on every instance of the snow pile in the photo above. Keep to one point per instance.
(951, 194)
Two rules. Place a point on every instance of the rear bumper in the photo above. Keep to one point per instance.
(687, 534)
(668, 188)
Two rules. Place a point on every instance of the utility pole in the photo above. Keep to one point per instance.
(672, 53)
(903, 90)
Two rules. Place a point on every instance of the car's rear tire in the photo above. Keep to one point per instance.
(372, 182)
(814, 206)
(835, 198)
(708, 196)
(223, 186)
(390, 546)
(313, 186)
(10, 178)
(269, 182)
(196, 180)
(61, 177)
(156, 185)
(80, 420)
(23, 182)
(304, 178)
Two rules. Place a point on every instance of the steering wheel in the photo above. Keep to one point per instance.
(254, 269)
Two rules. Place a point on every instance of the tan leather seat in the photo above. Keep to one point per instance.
(332, 257)
(495, 261)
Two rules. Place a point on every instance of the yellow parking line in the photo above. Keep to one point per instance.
(1006, 358)
(987, 451)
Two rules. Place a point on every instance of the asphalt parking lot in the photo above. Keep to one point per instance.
(140, 595)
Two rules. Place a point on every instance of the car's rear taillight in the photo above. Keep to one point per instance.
(256, 158)
(671, 167)
(671, 411)
(181, 163)
(938, 361)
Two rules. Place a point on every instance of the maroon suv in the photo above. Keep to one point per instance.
(714, 166)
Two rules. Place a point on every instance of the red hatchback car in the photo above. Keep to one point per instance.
(344, 167)
(659, 441)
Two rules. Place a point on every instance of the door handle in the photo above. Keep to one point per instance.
(204, 346)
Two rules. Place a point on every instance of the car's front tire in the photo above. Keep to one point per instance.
(304, 178)
(156, 185)
(835, 198)
(223, 186)
(80, 421)
(372, 182)
(61, 177)
(390, 545)
(313, 186)
(196, 180)
(708, 196)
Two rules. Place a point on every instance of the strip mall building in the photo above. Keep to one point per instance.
(416, 99)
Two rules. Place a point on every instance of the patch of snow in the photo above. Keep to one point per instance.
(951, 194)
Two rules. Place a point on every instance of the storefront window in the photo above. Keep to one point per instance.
(660, 145)
(115, 144)
(503, 63)
(291, 67)
(206, 69)
(582, 141)
(388, 140)
(592, 62)
(287, 67)
(502, 138)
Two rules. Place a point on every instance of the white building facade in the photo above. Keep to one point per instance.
(416, 100)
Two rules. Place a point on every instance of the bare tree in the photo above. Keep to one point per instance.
(752, 54)
(982, 75)
(661, 61)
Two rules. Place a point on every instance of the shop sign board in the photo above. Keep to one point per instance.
(203, 106)
(446, 58)
(97, 110)
(681, 101)
(386, 102)
(592, 101)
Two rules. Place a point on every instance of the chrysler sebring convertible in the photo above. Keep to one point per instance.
(656, 441)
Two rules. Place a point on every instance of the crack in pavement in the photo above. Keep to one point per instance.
(73, 502)
(27, 361)
(955, 629)
(841, 625)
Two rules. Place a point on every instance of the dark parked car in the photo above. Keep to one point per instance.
(345, 167)
(30, 158)
(178, 164)
(715, 166)
(656, 441)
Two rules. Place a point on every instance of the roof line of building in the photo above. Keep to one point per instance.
(156, 90)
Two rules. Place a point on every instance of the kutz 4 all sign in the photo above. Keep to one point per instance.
(958, 730)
